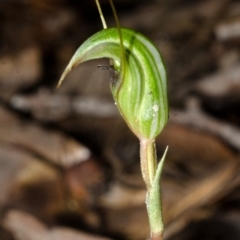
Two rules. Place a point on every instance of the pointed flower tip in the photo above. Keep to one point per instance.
(59, 84)
(66, 71)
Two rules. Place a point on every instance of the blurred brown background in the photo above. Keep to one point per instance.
(69, 166)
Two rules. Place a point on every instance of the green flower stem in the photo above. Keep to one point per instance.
(151, 175)
(148, 161)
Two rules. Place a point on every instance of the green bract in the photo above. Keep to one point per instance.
(140, 88)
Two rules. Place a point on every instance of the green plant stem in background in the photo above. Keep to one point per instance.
(139, 89)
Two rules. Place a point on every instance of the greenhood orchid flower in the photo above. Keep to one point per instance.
(140, 88)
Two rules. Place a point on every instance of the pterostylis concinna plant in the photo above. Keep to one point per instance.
(138, 84)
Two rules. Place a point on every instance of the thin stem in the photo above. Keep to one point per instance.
(123, 58)
(101, 15)
(148, 161)
(151, 173)
(118, 27)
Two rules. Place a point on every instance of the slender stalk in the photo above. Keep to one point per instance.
(101, 15)
(151, 173)
(123, 61)
(148, 161)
